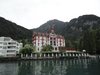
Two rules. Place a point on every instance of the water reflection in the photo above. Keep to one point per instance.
(8, 69)
(52, 67)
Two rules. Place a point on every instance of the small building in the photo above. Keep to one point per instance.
(41, 39)
(9, 47)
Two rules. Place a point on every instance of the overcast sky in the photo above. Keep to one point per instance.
(33, 13)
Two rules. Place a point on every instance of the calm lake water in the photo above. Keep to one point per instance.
(52, 67)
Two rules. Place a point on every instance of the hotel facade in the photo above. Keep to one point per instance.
(41, 39)
(9, 47)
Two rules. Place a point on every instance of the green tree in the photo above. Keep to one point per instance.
(25, 41)
(47, 48)
(68, 43)
(80, 45)
(27, 49)
(88, 42)
(98, 41)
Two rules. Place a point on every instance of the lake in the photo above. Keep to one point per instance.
(52, 67)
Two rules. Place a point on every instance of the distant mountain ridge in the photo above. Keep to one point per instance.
(71, 30)
(58, 26)
(10, 29)
(77, 26)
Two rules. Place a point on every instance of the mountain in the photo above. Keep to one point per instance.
(58, 26)
(77, 26)
(10, 29)
(73, 30)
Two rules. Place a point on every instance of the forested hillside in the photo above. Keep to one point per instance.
(10, 29)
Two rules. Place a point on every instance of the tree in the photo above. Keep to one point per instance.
(25, 41)
(80, 45)
(98, 41)
(88, 42)
(27, 49)
(47, 48)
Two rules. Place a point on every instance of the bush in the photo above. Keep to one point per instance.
(47, 48)
(27, 49)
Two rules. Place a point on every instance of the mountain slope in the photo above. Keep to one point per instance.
(73, 30)
(59, 26)
(10, 29)
(76, 27)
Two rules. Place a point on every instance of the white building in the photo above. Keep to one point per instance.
(41, 39)
(9, 47)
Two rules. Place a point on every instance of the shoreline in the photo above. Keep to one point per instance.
(49, 56)
(14, 59)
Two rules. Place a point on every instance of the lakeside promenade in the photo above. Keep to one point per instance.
(47, 55)
(55, 55)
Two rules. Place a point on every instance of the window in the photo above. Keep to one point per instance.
(0, 42)
(11, 55)
(50, 42)
(38, 49)
(4, 47)
(38, 44)
(11, 46)
(12, 43)
(10, 50)
(54, 42)
(0, 46)
(5, 43)
(51, 38)
(55, 48)
(54, 39)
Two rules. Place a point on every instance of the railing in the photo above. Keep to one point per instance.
(54, 55)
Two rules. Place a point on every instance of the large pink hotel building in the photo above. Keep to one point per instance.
(41, 39)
